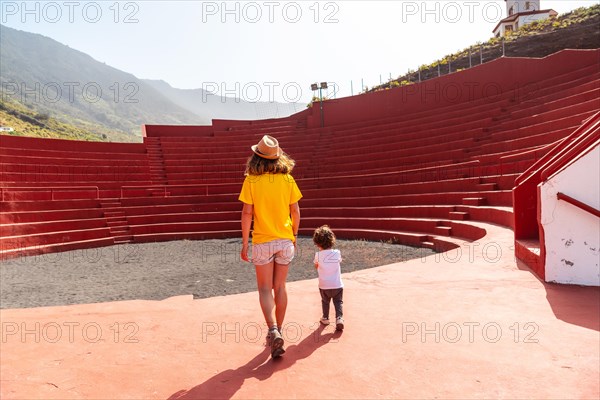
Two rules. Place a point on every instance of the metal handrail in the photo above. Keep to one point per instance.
(577, 203)
(52, 189)
(564, 145)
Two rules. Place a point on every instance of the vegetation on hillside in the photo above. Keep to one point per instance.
(579, 28)
(48, 78)
(27, 122)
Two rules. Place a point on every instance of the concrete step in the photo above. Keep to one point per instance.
(116, 219)
(459, 215)
(487, 187)
(112, 214)
(110, 204)
(443, 230)
(117, 223)
(120, 232)
(123, 239)
(111, 209)
(474, 201)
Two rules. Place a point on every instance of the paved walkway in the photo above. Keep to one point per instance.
(468, 324)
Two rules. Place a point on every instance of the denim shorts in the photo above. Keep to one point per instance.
(281, 251)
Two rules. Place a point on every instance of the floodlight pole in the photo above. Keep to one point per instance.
(321, 101)
(314, 87)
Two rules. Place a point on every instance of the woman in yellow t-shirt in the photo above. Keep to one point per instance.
(270, 196)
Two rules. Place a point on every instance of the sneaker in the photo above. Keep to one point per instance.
(269, 339)
(276, 343)
(325, 321)
(339, 324)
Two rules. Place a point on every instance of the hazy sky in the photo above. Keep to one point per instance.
(265, 50)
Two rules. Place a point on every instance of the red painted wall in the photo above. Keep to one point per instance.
(176, 130)
(33, 143)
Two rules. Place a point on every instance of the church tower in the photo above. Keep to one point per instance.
(521, 6)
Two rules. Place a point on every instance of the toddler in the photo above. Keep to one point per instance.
(327, 262)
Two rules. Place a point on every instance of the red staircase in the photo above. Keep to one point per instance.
(529, 238)
(116, 221)
(156, 160)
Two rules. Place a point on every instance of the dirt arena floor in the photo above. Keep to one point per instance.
(155, 271)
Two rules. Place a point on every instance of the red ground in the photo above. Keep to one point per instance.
(493, 331)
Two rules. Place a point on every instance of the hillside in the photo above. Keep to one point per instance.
(578, 29)
(76, 89)
(27, 122)
(40, 76)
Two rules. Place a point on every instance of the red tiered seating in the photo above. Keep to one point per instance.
(421, 174)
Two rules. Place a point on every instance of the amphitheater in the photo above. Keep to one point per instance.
(458, 164)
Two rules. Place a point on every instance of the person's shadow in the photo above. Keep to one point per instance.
(225, 384)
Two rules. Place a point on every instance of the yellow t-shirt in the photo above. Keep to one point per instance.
(271, 195)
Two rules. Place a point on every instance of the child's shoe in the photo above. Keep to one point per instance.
(339, 324)
(325, 321)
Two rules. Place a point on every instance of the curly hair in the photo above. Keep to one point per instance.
(257, 165)
(324, 237)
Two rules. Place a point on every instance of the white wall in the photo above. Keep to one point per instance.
(572, 236)
(520, 22)
(527, 19)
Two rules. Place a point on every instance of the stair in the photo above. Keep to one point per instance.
(428, 242)
(116, 220)
(459, 215)
(486, 187)
(158, 173)
(528, 251)
(474, 201)
(443, 230)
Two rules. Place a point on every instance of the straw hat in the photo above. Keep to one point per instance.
(268, 148)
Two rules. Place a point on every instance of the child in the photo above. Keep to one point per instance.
(327, 262)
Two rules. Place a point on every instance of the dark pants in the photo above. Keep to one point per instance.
(337, 296)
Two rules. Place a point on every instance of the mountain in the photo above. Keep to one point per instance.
(54, 81)
(210, 106)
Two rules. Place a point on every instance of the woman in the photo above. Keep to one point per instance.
(270, 196)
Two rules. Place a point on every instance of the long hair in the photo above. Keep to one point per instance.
(257, 165)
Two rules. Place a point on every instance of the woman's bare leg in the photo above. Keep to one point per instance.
(265, 284)
(279, 277)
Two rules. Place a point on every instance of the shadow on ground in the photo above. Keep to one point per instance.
(226, 384)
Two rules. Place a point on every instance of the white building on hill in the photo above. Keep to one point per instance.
(519, 13)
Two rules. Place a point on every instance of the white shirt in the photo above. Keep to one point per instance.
(330, 272)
